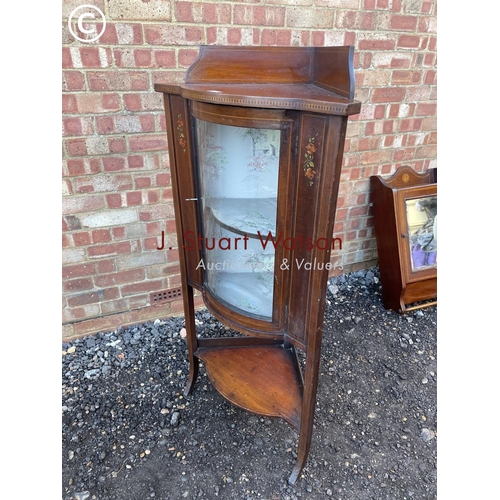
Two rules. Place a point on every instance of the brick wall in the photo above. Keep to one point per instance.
(117, 195)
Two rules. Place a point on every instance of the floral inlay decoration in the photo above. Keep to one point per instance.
(309, 167)
(181, 138)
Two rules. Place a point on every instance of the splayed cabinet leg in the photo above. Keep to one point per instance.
(191, 338)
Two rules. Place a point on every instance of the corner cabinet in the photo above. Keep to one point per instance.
(256, 137)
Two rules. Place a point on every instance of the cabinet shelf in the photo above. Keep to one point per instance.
(262, 379)
(250, 292)
(246, 216)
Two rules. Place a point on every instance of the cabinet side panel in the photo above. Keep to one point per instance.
(320, 150)
(388, 238)
(185, 188)
(334, 69)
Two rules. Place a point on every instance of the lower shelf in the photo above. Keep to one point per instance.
(262, 379)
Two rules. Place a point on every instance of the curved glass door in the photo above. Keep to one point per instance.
(238, 179)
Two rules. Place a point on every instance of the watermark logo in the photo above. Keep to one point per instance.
(86, 13)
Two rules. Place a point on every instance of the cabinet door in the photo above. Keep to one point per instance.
(238, 156)
(419, 228)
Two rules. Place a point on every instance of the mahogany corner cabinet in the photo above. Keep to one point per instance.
(255, 139)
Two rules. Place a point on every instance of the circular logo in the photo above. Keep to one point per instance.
(85, 15)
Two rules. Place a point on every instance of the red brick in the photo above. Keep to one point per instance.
(83, 299)
(83, 185)
(356, 20)
(404, 154)
(403, 23)
(259, 15)
(162, 179)
(370, 128)
(365, 144)
(113, 163)
(187, 57)
(116, 248)
(406, 77)
(426, 109)
(400, 62)
(142, 57)
(151, 244)
(66, 241)
(82, 239)
(184, 12)
(119, 233)
(78, 270)
(120, 277)
(76, 147)
(117, 145)
(154, 228)
(106, 266)
(69, 104)
(409, 41)
(427, 151)
(135, 161)
(153, 34)
(411, 124)
(73, 80)
(379, 111)
(118, 80)
(429, 59)
(90, 57)
(427, 7)
(132, 102)
(105, 124)
(375, 157)
(109, 35)
(217, 13)
(134, 198)
(114, 200)
(153, 196)
(67, 62)
(430, 77)
(376, 44)
(388, 141)
(317, 38)
(350, 38)
(143, 182)
(164, 59)
(144, 286)
(101, 236)
(388, 94)
(78, 285)
(76, 167)
(95, 102)
(148, 143)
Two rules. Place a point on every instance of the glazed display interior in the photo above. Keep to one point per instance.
(238, 182)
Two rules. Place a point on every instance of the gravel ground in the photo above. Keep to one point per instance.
(128, 433)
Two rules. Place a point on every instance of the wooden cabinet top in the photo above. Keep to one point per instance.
(317, 79)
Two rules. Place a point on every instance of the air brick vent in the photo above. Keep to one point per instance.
(165, 296)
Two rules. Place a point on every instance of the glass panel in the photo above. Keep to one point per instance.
(421, 216)
(238, 172)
